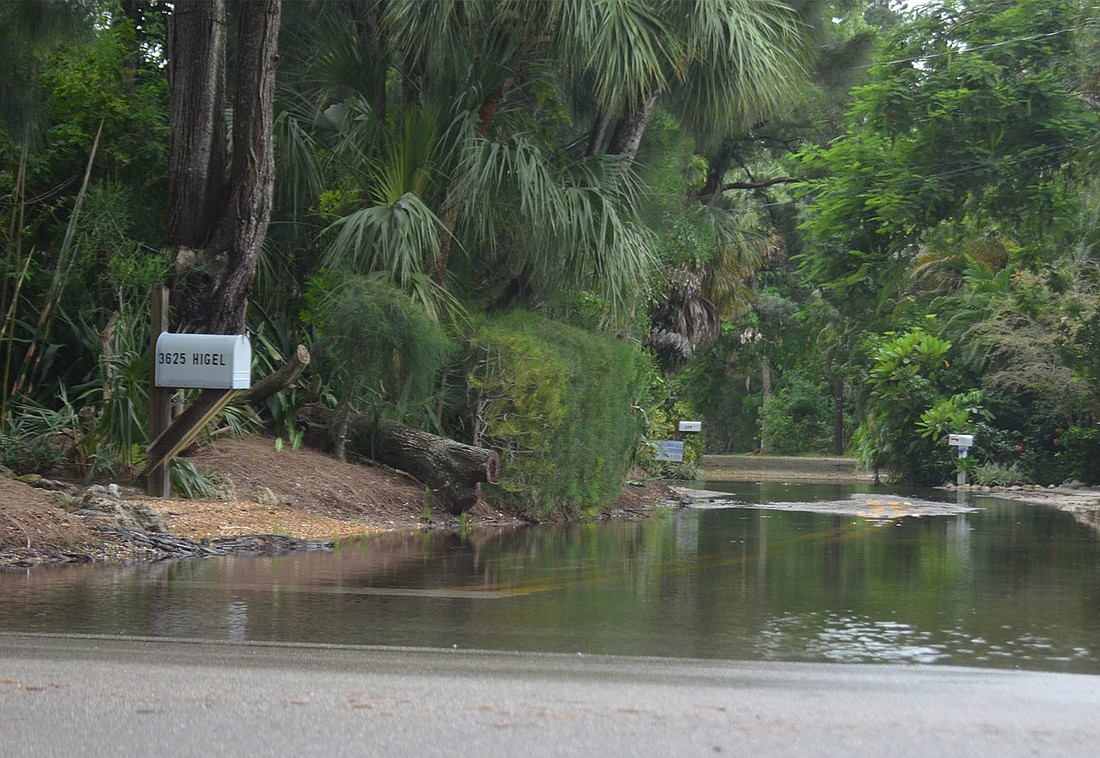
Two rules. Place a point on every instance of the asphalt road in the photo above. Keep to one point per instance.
(98, 696)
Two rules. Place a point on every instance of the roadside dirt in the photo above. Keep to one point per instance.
(297, 493)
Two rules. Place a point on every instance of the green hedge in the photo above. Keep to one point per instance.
(558, 404)
(376, 348)
(1080, 446)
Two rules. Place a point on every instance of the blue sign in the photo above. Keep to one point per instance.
(669, 450)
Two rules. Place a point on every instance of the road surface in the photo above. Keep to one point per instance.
(103, 696)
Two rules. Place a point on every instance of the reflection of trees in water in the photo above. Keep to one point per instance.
(317, 596)
(714, 583)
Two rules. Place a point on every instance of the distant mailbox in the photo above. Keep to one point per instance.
(961, 440)
(209, 361)
(691, 427)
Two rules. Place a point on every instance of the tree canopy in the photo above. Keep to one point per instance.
(756, 198)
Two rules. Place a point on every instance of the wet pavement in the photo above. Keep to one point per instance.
(870, 506)
(104, 696)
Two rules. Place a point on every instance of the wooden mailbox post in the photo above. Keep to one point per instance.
(218, 364)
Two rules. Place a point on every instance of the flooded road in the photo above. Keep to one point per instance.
(992, 583)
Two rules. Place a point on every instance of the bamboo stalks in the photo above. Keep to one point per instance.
(15, 244)
(33, 357)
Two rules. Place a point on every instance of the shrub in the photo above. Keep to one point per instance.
(557, 403)
(992, 474)
(1081, 450)
(376, 347)
(798, 419)
(910, 413)
(191, 483)
(29, 438)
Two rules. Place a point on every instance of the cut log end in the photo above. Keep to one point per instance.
(492, 466)
(280, 379)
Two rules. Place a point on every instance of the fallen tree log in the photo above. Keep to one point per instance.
(452, 470)
(278, 380)
(272, 384)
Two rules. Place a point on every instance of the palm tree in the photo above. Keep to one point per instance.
(443, 158)
(715, 64)
(439, 131)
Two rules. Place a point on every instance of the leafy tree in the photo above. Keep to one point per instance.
(953, 185)
(973, 114)
(80, 220)
(29, 34)
(797, 419)
(910, 412)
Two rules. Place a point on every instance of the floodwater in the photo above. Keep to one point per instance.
(1003, 584)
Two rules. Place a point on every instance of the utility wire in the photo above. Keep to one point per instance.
(947, 173)
(973, 49)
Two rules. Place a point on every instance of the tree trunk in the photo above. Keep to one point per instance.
(486, 113)
(453, 470)
(628, 134)
(214, 270)
(717, 166)
(599, 131)
(196, 137)
(766, 395)
(244, 223)
(838, 419)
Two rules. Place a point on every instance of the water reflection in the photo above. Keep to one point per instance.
(844, 639)
(1009, 585)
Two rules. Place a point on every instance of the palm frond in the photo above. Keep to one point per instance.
(627, 46)
(396, 238)
(741, 243)
(298, 179)
(578, 217)
(744, 62)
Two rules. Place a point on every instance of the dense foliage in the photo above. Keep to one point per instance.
(557, 228)
(558, 403)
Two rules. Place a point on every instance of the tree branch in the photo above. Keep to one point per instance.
(280, 379)
(762, 184)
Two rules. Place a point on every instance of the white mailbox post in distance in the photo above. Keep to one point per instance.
(963, 442)
(206, 361)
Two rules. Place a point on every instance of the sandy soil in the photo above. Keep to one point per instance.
(298, 493)
(309, 495)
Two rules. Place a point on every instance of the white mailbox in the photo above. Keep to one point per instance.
(209, 361)
(961, 440)
(691, 427)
